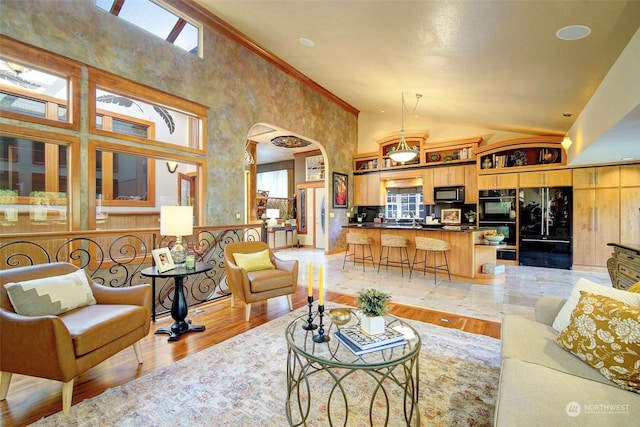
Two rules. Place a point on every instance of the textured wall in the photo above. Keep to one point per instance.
(239, 88)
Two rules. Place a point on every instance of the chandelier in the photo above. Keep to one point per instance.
(403, 153)
(566, 141)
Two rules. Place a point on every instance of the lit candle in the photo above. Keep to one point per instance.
(321, 285)
(310, 279)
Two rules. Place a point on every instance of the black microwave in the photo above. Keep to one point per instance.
(449, 194)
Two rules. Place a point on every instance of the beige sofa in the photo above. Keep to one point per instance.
(541, 384)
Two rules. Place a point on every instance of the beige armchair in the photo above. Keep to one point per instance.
(63, 346)
(259, 285)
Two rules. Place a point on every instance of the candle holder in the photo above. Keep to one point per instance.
(310, 326)
(321, 337)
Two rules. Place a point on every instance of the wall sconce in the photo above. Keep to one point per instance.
(172, 166)
(566, 141)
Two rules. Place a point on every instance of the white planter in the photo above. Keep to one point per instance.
(372, 325)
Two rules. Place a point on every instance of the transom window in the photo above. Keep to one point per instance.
(159, 19)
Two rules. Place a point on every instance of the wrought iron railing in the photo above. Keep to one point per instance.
(116, 258)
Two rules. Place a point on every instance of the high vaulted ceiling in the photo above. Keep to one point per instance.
(493, 64)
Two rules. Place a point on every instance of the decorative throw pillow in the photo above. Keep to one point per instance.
(50, 295)
(634, 288)
(254, 261)
(562, 319)
(605, 333)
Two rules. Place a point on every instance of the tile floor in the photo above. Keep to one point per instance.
(524, 285)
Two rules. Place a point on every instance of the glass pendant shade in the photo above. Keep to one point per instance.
(566, 142)
(402, 152)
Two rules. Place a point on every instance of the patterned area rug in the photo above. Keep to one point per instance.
(242, 382)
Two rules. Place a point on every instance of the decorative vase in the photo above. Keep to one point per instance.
(372, 325)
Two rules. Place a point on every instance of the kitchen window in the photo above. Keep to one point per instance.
(404, 203)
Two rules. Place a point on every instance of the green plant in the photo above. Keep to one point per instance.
(8, 197)
(372, 302)
(287, 216)
(471, 216)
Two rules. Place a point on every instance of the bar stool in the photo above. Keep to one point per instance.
(355, 240)
(390, 241)
(427, 244)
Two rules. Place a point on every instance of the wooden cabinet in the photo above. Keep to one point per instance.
(629, 215)
(498, 181)
(554, 178)
(600, 177)
(470, 184)
(630, 176)
(366, 190)
(365, 162)
(427, 187)
(596, 222)
(448, 176)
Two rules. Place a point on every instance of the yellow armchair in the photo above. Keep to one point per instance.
(253, 286)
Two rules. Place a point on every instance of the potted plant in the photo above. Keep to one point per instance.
(373, 305)
(471, 216)
(8, 199)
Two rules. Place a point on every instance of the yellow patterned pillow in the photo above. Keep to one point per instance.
(635, 288)
(605, 333)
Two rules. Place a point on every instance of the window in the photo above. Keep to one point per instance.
(159, 19)
(404, 203)
(139, 113)
(276, 182)
(38, 87)
(34, 181)
(124, 178)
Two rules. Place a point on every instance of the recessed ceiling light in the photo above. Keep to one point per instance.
(306, 42)
(573, 32)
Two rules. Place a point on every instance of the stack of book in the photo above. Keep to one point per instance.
(360, 343)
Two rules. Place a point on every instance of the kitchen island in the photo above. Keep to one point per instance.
(467, 255)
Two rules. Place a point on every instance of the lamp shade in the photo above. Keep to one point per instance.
(176, 220)
(273, 213)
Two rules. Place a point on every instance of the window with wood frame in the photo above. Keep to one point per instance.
(37, 86)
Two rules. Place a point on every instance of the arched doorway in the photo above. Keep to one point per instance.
(269, 148)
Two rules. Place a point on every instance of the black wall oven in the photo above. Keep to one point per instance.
(497, 209)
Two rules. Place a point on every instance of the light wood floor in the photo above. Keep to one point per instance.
(30, 399)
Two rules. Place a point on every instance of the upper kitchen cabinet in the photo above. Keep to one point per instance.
(365, 162)
(366, 190)
(630, 176)
(597, 177)
(448, 176)
(519, 155)
(554, 178)
(470, 184)
(504, 181)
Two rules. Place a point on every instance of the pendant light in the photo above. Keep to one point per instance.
(402, 152)
(566, 141)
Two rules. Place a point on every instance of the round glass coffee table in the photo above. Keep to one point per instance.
(328, 381)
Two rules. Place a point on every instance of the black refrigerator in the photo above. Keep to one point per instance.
(545, 227)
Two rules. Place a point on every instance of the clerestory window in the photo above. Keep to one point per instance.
(159, 19)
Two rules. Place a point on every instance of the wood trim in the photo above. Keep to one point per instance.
(51, 63)
(232, 33)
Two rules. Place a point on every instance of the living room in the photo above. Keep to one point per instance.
(227, 92)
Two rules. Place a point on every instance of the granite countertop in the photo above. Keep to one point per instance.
(425, 227)
(630, 246)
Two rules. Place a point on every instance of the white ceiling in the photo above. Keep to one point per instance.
(493, 64)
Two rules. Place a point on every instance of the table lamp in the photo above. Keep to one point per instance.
(177, 221)
(273, 215)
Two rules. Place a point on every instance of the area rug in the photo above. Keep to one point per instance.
(242, 382)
